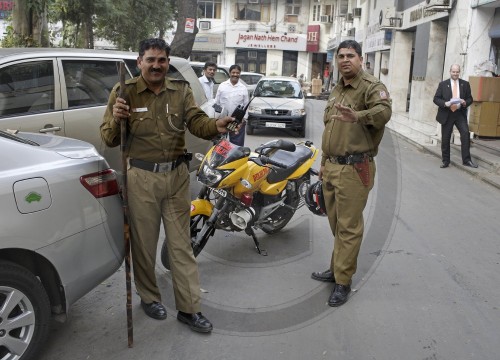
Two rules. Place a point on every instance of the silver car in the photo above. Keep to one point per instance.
(278, 102)
(62, 233)
(65, 92)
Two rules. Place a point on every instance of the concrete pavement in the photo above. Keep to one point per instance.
(426, 285)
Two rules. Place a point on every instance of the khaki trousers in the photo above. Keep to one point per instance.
(345, 199)
(154, 197)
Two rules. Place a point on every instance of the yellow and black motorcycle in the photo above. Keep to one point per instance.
(243, 190)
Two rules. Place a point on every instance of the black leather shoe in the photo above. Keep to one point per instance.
(444, 165)
(197, 322)
(470, 164)
(339, 295)
(155, 310)
(326, 275)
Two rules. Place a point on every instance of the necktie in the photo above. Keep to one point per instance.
(455, 95)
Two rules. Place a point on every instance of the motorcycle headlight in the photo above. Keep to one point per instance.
(254, 110)
(298, 112)
(212, 177)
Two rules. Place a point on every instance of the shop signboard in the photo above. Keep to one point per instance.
(266, 40)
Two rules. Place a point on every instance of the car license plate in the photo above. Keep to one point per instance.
(275, 125)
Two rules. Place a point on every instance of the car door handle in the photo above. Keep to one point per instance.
(50, 129)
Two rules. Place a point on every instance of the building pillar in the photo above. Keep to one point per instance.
(458, 37)
(400, 70)
(376, 65)
(423, 111)
(479, 43)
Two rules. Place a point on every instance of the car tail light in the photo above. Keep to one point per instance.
(101, 184)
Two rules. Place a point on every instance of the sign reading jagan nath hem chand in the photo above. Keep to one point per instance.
(263, 40)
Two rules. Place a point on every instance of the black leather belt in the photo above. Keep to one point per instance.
(155, 167)
(350, 159)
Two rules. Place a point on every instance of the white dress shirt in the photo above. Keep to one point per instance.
(229, 96)
(208, 87)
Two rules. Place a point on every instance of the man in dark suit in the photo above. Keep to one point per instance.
(453, 96)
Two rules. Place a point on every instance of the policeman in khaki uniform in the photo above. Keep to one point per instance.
(158, 110)
(355, 117)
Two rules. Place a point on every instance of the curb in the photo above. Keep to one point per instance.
(479, 173)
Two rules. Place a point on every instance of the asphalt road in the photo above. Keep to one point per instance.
(426, 285)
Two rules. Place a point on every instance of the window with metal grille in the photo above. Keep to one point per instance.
(316, 12)
(255, 12)
(210, 9)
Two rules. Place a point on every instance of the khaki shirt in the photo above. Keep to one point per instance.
(157, 124)
(370, 99)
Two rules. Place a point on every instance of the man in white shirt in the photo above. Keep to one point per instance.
(230, 94)
(207, 80)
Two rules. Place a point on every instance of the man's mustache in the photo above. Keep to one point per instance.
(156, 70)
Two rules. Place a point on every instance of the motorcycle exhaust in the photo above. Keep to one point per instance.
(242, 218)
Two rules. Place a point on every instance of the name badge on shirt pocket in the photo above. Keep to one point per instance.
(138, 110)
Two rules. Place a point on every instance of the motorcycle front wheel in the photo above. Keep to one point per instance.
(196, 224)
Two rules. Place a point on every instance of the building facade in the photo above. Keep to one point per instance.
(410, 44)
(281, 37)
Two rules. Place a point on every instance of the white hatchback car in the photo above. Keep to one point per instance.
(62, 234)
(278, 102)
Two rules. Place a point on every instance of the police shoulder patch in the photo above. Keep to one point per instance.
(383, 94)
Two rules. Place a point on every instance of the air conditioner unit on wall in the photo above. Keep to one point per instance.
(349, 18)
(438, 5)
(252, 26)
(292, 28)
(388, 19)
(351, 32)
(325, 19)
(356, 12)
(205, 25)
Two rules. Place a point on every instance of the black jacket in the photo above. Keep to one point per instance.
(444, 93)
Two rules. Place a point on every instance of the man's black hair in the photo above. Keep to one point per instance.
(209, 64)
(232, 67)
(350, 44)
(154, 43)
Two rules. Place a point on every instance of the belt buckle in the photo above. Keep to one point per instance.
(349, 159)
(164, 167)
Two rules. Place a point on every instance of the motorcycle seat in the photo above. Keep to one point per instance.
(292, 160)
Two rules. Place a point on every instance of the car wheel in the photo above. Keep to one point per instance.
(24, 313)
(249, 129)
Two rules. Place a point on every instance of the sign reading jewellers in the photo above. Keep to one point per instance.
(263, 40)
